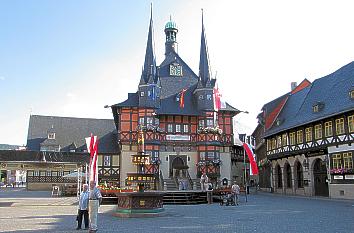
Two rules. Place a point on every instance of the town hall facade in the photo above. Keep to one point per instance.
(187, 129)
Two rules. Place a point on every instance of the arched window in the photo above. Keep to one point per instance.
(279, 176)
(288, 175)
(299, 175)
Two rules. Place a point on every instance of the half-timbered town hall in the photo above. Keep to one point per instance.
(187, 129)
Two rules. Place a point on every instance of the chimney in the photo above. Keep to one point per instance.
(293, 85)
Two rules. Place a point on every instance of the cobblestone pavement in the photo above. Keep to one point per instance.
(37, 212)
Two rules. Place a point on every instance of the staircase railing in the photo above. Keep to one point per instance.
(189, 180)
(161, 181)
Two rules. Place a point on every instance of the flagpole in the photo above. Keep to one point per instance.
(245, 173)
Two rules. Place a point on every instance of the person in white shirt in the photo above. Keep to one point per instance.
(203, 180)
(235, 189)
(95, 200)
(83, 208)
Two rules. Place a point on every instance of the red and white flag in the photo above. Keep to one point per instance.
(92, 148)
(252, 159)
(218, 100)
(181, 100)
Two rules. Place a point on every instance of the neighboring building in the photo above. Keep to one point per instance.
(9, 147)
(67, 134)
(39, 170)
(309, 135)
(187, 130)
(264, 165)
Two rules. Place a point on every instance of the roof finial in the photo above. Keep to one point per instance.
(151, 10)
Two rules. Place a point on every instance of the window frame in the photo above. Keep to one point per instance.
(308, 134)
(337, 161)
(347, 160)
(351, 124)
(169, 128)
(340, 129)
(299, 136)
(328, 129)
(178, 128)
(318, 131)
(292, 138)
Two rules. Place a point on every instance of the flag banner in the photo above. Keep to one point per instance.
(141, 144)
(219, 102)
(251, 157)
(92, 148)
(181, 99)
(152, 93)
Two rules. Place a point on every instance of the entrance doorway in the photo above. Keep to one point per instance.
(178, 166)
(320, 177)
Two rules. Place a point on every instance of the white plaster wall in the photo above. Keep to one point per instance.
(347, 188)
(340, 148)
(225, 168)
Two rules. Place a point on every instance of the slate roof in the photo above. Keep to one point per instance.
(71, 131)
(38, 156)
(171, 86)
(331, 90)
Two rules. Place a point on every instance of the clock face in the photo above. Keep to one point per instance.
(176, 70)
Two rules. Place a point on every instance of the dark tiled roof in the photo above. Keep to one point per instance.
(332, 91)
(132, 101)
(39, 156)
(70, 130)
(171, 85)
(170, 105)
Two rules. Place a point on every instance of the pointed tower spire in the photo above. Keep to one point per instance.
(149, 63)
(204, 70)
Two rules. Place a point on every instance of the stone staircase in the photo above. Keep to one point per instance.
(184, 198)
(171, 185)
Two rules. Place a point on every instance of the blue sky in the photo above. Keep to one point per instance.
(70, 58)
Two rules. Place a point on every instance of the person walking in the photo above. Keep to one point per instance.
(235, 189)
(83, 208)
(95, 200)
(203, 180)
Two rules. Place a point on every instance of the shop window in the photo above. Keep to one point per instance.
(337, 161)
(348, 160)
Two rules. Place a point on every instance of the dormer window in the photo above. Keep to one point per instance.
(278, 122)
(351, 94)
(317, 107)
(51, 135)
